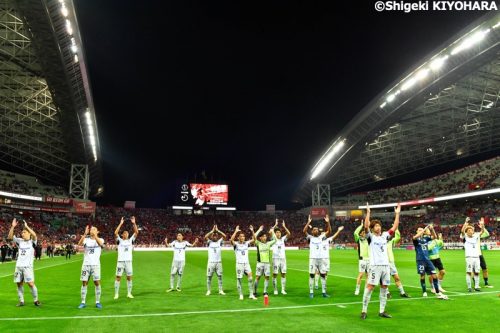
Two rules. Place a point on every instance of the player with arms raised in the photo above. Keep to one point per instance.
(263, 256)
(91, 264)
(363, 254)
(279, 258)
(471, 241)
(24, 264)
(379, 260)
(214, 264)
(315, 256)
(179, 261)
(242, 263)
(124, 264)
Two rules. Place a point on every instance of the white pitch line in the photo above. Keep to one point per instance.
(170, 314)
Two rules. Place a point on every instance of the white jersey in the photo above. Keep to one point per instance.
(214, 250)
(241, 251)
(471, 245)
(325, 248)
(180, 249)
(315, 244)
(125, 248)
(26, 252)
(378, 248)
(279, 248)
(92, 252)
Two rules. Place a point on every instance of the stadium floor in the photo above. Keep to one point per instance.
(154, 310)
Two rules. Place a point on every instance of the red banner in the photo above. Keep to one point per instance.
(319, 212)
(63, 201)
(84, 207)
(210, 194)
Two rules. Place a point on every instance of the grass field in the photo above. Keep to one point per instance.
(153, 310)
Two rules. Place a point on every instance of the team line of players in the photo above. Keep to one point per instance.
(376, 259)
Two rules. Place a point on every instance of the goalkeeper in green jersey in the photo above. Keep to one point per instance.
(363, 255)
(263, 256)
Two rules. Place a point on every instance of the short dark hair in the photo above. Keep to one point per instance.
(375, 222)
(277, 229)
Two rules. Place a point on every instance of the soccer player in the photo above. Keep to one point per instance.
(421, 242)
(471, 246)
(434, 247)
(124, 263)
(315, 258)
(482, 262)
(392, 265)
(363, 255)
(24, 264)
(179, 260)
(279, 258)
(214, 264)
(263, 256)
(379, 271)
(242, 263)
(91, 264)
(325, 250)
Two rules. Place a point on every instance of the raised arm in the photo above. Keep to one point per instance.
(328, 225)
(306, 227)
(419, 234)
(367, 218)
(117, 230)
(233, 236)
(433, 232)
(357, 231)
(395, 226)
(338, 232)
(95, 236)
(466, 223)
(195, 242)
(220, 232)
(32, 233)
(80, 242)
(288, 233)
(134, 225)
(166, 242)
(207, 236)
(10, 236)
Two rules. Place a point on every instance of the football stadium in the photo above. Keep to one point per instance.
(395, 225)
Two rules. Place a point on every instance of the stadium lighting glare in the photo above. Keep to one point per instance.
(408, 84)
(436, 64)
(496, 25)
(91, 133)
(383, 104)
(225, 208)
(76, 58)
(74, 49)
(64, 10)
(470, 41)
(327, 159)
(422, 74)
(390, 98)
(182, 207)
(443, 198)
(69, 28)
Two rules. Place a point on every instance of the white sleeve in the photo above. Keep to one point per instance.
(132, 239)
(284, 238)
(16, 240)
(308, 237)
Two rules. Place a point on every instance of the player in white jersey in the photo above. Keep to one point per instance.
(24, 264)
(179, 261)
(471, 241)
(279, 258)
(125, 249)
(241, 248)
(214, 264)
(325, 251)
(379, 271)
(315, 261)
(91, 264)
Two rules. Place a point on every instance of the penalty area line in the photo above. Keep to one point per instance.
(187, 313)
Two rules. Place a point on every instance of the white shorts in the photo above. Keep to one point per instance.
(177, 267)
(472, 265)
(392, 268)
(326, 263)
(242, 269)
(279, 265)
(214, 267)
(24, 274)
(88, 270)
(263, 268)
(363, 266)
(317, 265)
(379, 274)
(124, 266)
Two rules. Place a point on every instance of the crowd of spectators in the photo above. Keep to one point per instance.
(23, 184)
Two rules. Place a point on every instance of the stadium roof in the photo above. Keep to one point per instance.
(47, 119)
(443, 109)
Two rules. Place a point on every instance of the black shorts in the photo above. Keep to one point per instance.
(438, 264)
(482, 262)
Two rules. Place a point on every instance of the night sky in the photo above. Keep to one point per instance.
(249, 92)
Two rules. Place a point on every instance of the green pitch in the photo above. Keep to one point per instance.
(153, 310)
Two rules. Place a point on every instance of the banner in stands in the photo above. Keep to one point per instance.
(63, 201)
(270, 208)
(319, 211)
(56, 210)
(84, 207)
(210, 194)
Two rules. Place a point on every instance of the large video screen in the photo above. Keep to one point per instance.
(208, 194)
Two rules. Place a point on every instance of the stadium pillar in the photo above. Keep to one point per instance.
(79, 182)
(321, 195)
